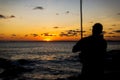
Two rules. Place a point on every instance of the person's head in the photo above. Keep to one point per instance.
(97, 29)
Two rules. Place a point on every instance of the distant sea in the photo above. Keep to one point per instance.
(52, 60)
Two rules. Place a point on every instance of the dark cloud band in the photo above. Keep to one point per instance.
(38, 8)
(6, 17)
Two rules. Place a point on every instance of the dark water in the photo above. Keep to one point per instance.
(52, 60)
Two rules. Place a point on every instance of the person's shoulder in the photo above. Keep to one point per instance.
(86, 38)
(104, 41)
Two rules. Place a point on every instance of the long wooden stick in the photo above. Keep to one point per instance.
(81, 21)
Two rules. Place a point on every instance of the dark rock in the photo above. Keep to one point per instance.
(12, 69)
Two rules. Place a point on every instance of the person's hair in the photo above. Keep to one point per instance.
(97, 29)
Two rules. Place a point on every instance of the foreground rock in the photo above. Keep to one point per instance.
(10, 70)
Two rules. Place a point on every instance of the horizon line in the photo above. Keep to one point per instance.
(48, 41)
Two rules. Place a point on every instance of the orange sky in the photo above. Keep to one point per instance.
(45, 20)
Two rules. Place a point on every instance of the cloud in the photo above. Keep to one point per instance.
(109, 36)
(2, 16)
(1, 37)
(57, 14)
(48, 34)
(104, 32)
(91, 22)
(26, 35)
(63, 34)
(110, 28)
(14, 35)
(56, 27)
(69, 33)
(67, 12)
(117, 31)
(12, 16)
(38, 8)
(110, 33)
(6, 17)
(1, 34)
(118, 13)
(34, 35)
(114, 25)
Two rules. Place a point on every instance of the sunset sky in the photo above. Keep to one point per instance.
(51, 20)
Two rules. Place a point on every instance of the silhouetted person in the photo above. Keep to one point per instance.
(92, 50)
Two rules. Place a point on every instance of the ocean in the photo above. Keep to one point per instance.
(51, 60)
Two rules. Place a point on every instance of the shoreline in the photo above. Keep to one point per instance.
(14, 69)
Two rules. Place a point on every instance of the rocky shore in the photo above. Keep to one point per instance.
(9, 70)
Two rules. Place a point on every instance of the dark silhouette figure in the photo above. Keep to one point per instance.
(92, 50)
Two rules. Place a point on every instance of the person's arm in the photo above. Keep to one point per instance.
(76, 48)
(105, 45)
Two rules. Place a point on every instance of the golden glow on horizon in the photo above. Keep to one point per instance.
(47, 39)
